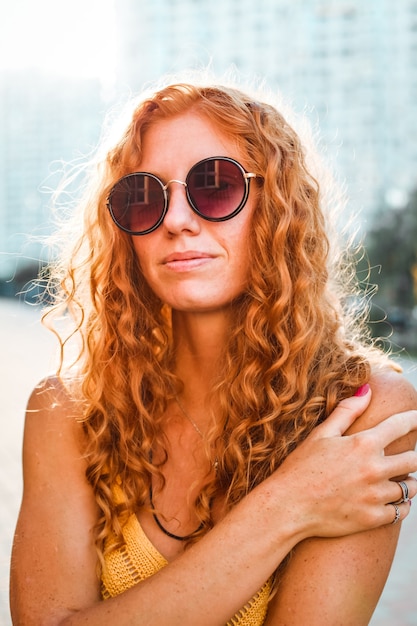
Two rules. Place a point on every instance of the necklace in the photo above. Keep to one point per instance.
(190, 419)
(215, 463)
(164, 530)
(215, 467)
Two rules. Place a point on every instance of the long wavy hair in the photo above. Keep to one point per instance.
(291, 355)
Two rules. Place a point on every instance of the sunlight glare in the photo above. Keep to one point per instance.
(65, 38)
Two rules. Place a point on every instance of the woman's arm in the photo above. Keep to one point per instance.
(331, 582)
(53, 577)
(53, 560)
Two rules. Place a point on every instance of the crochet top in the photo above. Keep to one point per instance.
(137, 559)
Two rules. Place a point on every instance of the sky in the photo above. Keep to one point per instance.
(68, 38)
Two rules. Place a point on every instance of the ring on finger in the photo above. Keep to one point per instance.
(397, 513)
(404, 489)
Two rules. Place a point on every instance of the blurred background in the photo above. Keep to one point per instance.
(349, 65)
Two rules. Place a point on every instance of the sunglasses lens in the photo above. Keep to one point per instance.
(216, 188)
(137, 203)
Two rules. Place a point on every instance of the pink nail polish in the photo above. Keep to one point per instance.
(362, 391)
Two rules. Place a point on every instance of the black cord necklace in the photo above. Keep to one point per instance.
(215, 465)
(164, 530)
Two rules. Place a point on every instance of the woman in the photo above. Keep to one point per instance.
(194, 465)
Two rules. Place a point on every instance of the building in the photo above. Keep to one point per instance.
(45, 125)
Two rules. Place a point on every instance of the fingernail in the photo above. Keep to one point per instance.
(362, 391)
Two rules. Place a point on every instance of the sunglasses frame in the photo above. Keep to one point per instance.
(247, 176)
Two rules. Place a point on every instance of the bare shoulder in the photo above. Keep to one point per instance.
(52, 412)
(53, 437)
(53, 444)
(391, 393)
(52, 395)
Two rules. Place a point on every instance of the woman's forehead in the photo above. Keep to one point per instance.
(185, 138)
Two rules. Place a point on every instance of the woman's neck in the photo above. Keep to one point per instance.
(199, 340)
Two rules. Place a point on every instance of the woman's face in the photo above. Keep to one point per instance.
(193, 265)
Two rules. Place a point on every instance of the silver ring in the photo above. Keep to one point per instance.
(397, 513)
(404, 489)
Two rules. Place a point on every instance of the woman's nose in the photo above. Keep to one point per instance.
(180, 215)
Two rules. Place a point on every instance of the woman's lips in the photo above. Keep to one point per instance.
(181, 261)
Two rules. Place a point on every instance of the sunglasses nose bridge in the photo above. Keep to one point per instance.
(174, 180)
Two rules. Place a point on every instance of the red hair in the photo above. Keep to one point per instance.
(291, 355)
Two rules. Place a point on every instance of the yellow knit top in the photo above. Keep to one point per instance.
(137, 559)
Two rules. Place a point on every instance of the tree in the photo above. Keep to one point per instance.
(391, 249)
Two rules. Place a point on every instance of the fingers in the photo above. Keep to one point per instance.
(362, 492)
(402, 491)
(395, 427)
(399, 464)
(386, 432)
(397, 512)
(405, 492)
(346, 412)
(374, 512)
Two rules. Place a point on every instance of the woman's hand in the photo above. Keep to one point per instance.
(354, 566)
(343, 484)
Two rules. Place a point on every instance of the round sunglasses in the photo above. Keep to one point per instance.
(217, 189)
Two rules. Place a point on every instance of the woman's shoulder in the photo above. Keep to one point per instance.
(53, 393)
(392, 393)
(53, 411)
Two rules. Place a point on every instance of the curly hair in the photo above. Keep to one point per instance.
(291, 355)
